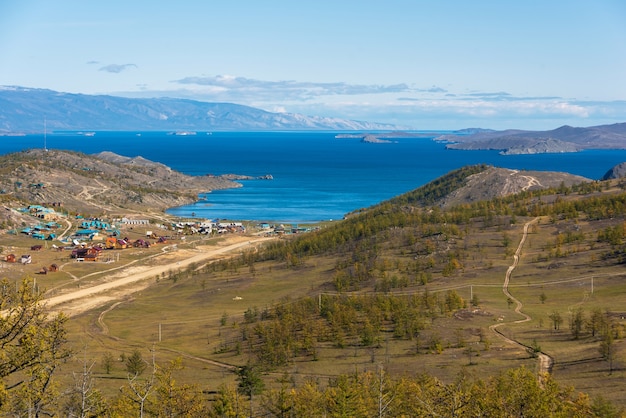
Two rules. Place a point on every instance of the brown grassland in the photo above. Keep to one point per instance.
(208, 313)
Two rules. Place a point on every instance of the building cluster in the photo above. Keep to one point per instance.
(209, 227)
(94, 235)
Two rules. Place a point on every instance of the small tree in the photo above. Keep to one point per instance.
(135, 365)
(556, 319)
(577, 322)
(107, 362)
(84, 400)
(475, 301)
(224, 319)
(249, 382)
(32, 346)
(607, 350)
(534, 349)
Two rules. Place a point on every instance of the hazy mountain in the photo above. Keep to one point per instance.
(24, 109)
(563, 139)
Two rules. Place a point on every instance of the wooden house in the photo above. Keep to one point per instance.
(115, 243)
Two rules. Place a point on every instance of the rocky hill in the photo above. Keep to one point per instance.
(616, 172)
(563, 139)
(499, 182)
(103, 183)
(23, 110)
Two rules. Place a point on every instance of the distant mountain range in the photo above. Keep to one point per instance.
(22, 110)
(563, 139)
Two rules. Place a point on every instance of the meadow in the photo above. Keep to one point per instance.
(410, 292)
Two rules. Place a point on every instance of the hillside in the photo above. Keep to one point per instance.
(22, 110)
(468, 287)
(99, 184)
(497, 182)
(563, 139)
(481, 182)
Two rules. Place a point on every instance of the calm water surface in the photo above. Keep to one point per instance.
(316, 176)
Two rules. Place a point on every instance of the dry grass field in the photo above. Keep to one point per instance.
(191, 297)
(199, 317)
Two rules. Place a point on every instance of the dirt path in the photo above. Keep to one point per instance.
(545, 361)
(531, 181)
(137, 278)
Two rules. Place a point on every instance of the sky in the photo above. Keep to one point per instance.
(438, 64)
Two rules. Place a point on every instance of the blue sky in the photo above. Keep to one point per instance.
(421, 64)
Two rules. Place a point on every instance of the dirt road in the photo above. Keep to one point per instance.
(545, 361)
(138, 278)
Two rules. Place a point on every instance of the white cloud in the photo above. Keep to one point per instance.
(402, 104)
(242, 87)
(116, 68)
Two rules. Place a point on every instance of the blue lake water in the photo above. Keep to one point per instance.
(316, 176)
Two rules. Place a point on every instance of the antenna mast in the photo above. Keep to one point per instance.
(45, 132)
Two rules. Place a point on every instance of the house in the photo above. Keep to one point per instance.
(95, 224)
(141, 243)
(223, 227)
(115, 243)
(86, 254)
(42, 212)
(86, 233)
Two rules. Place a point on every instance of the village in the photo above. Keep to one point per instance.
(98, 240)
(82, 239)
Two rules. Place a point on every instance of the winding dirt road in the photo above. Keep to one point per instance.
(545, 361)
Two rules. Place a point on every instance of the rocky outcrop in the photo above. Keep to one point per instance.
(616, 172)
(509, 145)
(498, 182)
(236, 177)
(542, 146)
(371, 139)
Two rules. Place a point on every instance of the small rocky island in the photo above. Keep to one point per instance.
(371, 139)
(237, 177)
(367, 138)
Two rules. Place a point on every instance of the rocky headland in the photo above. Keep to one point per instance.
(563, 139)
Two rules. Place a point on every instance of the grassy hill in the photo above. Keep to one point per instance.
(466, 276)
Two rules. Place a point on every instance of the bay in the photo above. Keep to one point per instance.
(315, 175)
